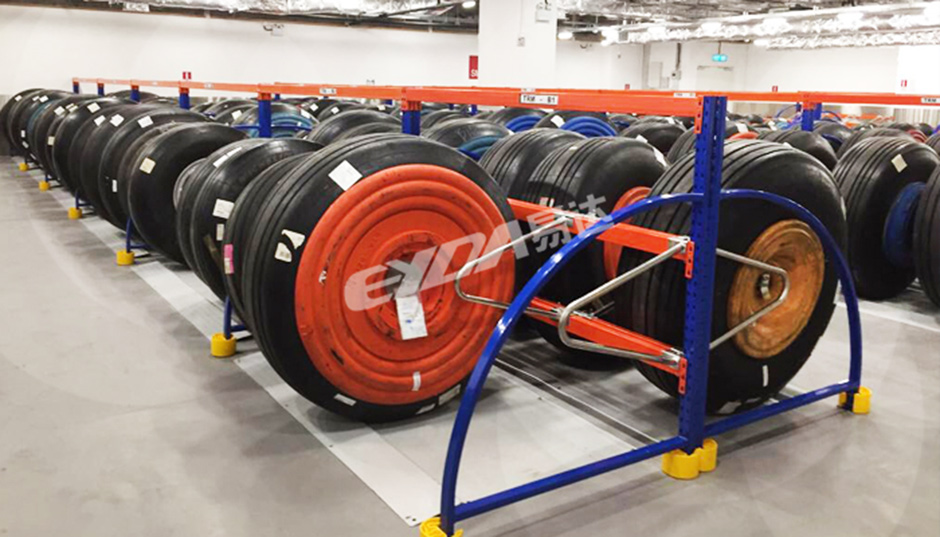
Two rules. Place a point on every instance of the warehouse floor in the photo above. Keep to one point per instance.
(114, 419)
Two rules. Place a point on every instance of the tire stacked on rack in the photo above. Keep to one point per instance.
(42, 138)
(556, 119)
(72, 131)
(6, 116)
(355, 213)
(878, 132)
(362, 121)
(21, 116)
(287, 120)
(660, 134)
(439, 116)
(469, 135)
(596, 176)
(685, 143)
(809, 142)
(518, 116)
(834, 133)
(757, 362)
(879, 179)
(218, 108)
(110, 180)
(211, 193)
(335, 108)
(934, 142)
(153, 170)
(926, 238)
(512, 160)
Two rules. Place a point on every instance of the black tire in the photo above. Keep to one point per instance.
(927, 239)
(218, 191)
(5, 114)
(457, 132)
(870, 176)
(154, 171)
(243, 222)
(231, 115)
(43, 136)
(23, 113)
(864, 134)
(335, 109)
(808, 142)
(220, 107)
(334, 127)
(298, 203)
(660, 135)
(934, 142)
(834, 133)
(597, 172)
(70, 133)
(369, 128)
(512, 159)
(89, 142)
(683, 145)
(439, 116)
(111, 185)
(654, 303)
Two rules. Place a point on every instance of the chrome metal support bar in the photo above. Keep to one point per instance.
(671, 358)
(763, 311)
(560, 221)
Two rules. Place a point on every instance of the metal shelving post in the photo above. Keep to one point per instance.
(184, 98)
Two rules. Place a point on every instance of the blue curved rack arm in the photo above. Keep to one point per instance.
(692, 427)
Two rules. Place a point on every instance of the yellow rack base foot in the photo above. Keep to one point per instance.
(43, 186)
(432, 528)
(678, 464)
(222, 347)
(861, 403)
(24, 167)
(125, 258)
(75, 213)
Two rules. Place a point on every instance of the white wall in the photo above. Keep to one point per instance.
(517, 43)
(46, 47)
(591, 66)
(871, 69)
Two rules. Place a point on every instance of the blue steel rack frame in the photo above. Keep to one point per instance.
(692, 429)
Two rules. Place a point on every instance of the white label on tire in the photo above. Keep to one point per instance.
(306, 114)
(282, 253)
(117, 119)
(345, 175)
(297, 239)
(113, 185)
(221, 160)
(59, 111)
(72, 107)
(222, 209)
(147, 165)
(671, 121)
(742, 128)
(345, 400)
(219, 232)
(22, 134)
(558, 121)
(26, 145)
(18, 98)
(99, 121)
(50, 141)
(642, 138)
(314, 107)
(448, 395)
(334, 110)
(236, 114)
(788, 145)
(659, 156)
(411, 317)
(416, 381)
(145, 122)
(44, 98)
(93, 107)
(899, 163)
(766, 376)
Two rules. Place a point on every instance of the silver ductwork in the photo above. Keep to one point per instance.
(305, 7)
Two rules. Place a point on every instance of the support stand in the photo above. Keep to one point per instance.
(223, 343)
(126, 256)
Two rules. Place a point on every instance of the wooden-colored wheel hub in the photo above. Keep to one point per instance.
(794, 247)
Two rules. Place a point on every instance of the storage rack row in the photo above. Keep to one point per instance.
(692, 450)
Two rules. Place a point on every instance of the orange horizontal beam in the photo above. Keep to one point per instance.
(583, 100)
(884, 99)
(630, 236)
(156, 83)
(220, 86)
(113, 81)
(606, 333)
(334, 90)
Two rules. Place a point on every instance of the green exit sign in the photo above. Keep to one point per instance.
(720, 58)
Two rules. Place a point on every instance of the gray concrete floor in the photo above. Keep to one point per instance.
(115, 421)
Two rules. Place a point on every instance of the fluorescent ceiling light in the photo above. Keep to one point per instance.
(469, 4)
(850, 16)
(711, 27)
(932, 10)
(565, 35)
